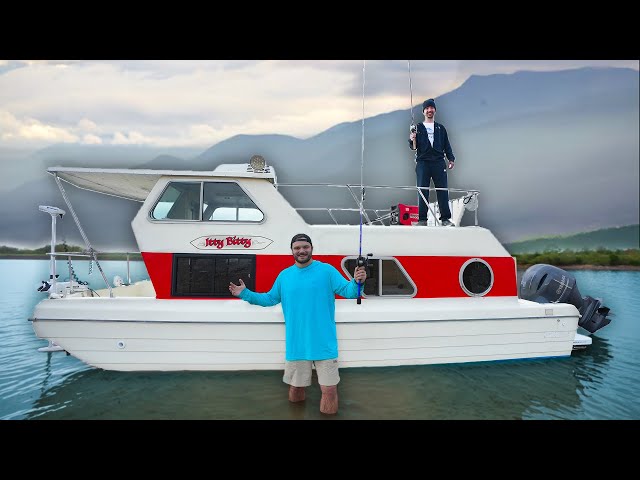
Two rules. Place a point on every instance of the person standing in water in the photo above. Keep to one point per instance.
(307, 292)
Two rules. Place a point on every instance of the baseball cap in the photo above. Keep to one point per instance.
(301, 237)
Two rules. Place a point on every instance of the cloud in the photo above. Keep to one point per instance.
(87, 125)
(198, 103)
(29, 129)
(91, 139)
(131, 138)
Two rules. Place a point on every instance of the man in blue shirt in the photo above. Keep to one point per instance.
(307, 292)
(431, 143)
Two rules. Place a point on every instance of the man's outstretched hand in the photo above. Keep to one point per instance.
(236, 290)
(360, 274)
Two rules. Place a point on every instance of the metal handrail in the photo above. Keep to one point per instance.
(93, 257)
(380, 214)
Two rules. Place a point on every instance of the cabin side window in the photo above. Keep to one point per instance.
(385, 277)
(206, 201)
(179, 201)
(226, 201)
(209, 275)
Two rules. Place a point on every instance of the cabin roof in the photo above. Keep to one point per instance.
(135, 184)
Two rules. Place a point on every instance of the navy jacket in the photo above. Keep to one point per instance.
(441, 145)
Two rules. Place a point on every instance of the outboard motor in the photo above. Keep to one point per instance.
(544, 283)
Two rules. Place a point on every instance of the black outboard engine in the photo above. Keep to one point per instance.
(544, 283)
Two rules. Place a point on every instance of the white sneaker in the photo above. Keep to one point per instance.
(448, 223)
(422, 223)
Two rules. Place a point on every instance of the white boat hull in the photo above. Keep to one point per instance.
(146, 334)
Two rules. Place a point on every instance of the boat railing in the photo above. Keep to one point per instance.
(93, 257)
(460, 199)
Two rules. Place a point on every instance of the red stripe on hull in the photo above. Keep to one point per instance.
(435, 277)
(159, 266)
(438, 277)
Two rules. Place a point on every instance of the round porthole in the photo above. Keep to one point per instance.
(121, 344)
(476, 277)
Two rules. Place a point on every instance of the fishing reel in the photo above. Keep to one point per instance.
(413, 129)
(362, 261)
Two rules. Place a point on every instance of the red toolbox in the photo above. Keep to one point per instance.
(407, 214)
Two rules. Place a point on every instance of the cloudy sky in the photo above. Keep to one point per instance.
(199, 103)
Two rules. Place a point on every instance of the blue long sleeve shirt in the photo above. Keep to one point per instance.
(308, 303)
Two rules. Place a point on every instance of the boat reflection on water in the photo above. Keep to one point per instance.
(519, 389)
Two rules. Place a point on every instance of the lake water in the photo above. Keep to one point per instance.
(600, 382)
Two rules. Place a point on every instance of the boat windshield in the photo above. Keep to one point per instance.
(221, 201)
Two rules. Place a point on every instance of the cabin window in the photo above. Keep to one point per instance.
(209, 275)
(476, 277)
(226, 201)
(208, 201)
(385, 277)
(179, 201)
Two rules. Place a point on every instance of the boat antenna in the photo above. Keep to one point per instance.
(362, 261)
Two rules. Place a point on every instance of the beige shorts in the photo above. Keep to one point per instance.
(298, 373)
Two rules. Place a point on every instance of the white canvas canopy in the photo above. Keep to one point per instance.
(135, 184)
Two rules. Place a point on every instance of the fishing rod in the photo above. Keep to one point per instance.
(412, 128)
(362, 261)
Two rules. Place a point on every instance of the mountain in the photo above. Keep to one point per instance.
(550, 152)
(618, 238)
(109, 156)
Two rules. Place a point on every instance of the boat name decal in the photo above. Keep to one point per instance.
(231, 242)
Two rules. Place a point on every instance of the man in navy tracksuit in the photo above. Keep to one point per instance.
(431, 143)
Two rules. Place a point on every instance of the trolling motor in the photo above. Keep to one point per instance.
(54, 212)
(362, 262)
(45, 286)
(544, 283)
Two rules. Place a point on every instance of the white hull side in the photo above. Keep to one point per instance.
(149, 334)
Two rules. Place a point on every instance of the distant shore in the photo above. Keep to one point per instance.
(132, 258)
(105, 257)
(590, 267)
